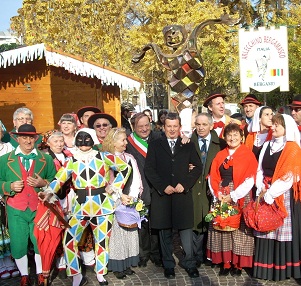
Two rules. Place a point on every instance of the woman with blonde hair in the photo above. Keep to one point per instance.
(124, 241)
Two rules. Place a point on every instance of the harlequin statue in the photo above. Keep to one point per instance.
(185, 64)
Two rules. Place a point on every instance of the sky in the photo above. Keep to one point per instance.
(8, 9)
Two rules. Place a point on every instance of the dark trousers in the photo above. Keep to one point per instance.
(199, 246)
(149, 247)
(188, 260)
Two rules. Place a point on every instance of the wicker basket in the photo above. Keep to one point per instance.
(227, 228)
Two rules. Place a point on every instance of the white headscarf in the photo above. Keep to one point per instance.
(254, 126)
(89, 131)
(291, 130)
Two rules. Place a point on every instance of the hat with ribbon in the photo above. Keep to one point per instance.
(251, 98)
(26, 130)
(95, 116)
(84, 109)
(296, 101)
(212, 96)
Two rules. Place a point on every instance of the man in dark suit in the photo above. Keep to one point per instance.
(167, 169)
(203, 134)
(137, 146)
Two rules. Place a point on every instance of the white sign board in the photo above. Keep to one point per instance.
(263, 59)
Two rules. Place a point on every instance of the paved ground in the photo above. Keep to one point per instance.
(153, 276)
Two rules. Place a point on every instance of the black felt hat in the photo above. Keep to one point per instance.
(26, 129)
(82, 110)
(95, 116)
(296, 101)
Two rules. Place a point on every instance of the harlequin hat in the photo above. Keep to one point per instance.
(212, 96)
(84, 109)
(95, 116)
(26, 129)
(296, 101)
(251, 98)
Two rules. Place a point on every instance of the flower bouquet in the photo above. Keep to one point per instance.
(225, 217)
(131, 215)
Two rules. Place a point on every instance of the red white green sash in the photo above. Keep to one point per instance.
(139, 144)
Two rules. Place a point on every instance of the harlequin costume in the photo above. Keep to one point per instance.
(234, 174)
(278, 253)
(91, 205)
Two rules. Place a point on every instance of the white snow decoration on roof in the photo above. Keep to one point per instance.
(30, 53)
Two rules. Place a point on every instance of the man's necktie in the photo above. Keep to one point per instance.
(26, 158)
(172, 146)
(299, 128)
(219, 124)
(203, 151)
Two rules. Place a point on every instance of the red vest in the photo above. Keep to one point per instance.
(28, 198)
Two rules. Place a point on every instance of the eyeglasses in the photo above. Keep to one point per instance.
(101, 125)
(296, 109)
(27, 119)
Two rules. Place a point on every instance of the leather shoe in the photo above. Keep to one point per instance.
(169, 273)
(129, 271)
(224, 271)
(83, 282)
(235, 272)
(192, 272)
(142, 262)
(103, 283)
(119, 275)
(25, 281)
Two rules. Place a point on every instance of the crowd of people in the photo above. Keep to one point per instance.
(127, 191)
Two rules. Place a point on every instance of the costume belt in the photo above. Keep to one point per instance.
(83, 193)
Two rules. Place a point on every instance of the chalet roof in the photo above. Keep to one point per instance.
(73, 64)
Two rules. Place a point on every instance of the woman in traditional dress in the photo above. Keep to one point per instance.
(259, 129)
(124, 241)
(277, 254)
(232, 177)
(68, 126)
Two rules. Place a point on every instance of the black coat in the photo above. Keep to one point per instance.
(146, 194)
(162, 168)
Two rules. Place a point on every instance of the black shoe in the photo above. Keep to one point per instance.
(143, 262)
(83, 282)
(62, 274)
(169, 273)
(208, 263)
(103, 283)
(192, 272)
(235, 272)
(224, 271)
(198, 263)
(119, 275)
(129, 271)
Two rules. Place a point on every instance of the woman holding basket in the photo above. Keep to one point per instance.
(231, 179)
(278, 252)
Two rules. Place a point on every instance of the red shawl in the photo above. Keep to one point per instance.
(289, 163)
(244, 166)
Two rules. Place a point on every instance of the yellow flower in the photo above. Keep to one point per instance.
(230, 207)
(139, 207)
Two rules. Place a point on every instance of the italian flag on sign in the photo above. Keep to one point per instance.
(277, 72)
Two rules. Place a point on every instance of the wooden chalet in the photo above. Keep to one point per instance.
(52, 83)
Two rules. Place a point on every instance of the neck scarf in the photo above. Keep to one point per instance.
(138, 143)
(26, 158)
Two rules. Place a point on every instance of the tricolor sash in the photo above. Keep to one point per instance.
(139, 144)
